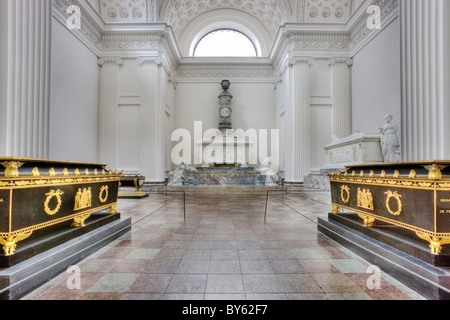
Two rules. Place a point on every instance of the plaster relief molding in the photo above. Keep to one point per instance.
(131, 41)
(320, 40)
(224, 70)
(337, 61)
(297, 60)
(154, 60)
(301, 10)
(125, 10)
(104, 60)
(327, 11)
(180, 13)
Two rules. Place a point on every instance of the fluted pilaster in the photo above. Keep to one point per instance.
(342, 97)
(424, 36)
(28, 77)
(301, 96)
(151, 142)
(107, 110)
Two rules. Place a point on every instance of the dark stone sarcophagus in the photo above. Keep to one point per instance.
(412, 196)
(42, 203)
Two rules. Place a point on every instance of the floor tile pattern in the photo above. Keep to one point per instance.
(223, 250)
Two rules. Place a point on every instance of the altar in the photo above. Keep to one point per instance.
(228, 157)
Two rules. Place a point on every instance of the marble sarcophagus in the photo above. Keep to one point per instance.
(42, 198)
(413, 196)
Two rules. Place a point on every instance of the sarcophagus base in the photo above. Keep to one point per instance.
(45, 239)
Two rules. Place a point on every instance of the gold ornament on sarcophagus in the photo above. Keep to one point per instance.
(435, 171)
(365, 199)
(398, 199)
(83, 198)
(345, 194)
(103, 196)
(10, 242)
(79, 221)
(53, 194)
(12, 168)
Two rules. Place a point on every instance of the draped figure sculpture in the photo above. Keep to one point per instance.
(390, 140)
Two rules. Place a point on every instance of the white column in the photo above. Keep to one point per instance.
(28, 78)
(425, 39)
(152, 152)
(300, 108)
(342, 97)
(107, 110)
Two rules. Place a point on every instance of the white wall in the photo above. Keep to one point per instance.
(376, 84)
(253, 106)
(74, 98)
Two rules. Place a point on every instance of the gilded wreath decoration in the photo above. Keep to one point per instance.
(345, 198)
(103, 190)
(50, 195)
(397, 197)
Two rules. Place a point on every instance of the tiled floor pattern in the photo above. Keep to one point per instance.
(224, 250)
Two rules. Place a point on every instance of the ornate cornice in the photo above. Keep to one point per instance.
(320, 40)
(150, 40)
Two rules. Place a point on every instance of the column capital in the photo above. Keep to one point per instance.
(102, 60)
(155, 60)
(297, 60)
(341, 60)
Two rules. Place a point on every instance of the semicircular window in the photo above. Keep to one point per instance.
(225, 43)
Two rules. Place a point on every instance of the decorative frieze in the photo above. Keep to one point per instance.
(225, 70)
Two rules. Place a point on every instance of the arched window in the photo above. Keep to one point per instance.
(225, 43)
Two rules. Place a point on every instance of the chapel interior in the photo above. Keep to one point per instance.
(324, 101)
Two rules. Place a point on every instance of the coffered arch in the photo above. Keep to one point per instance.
(180, 13)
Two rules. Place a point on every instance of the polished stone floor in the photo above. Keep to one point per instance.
(223, 250)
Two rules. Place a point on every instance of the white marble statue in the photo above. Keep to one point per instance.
(390, 140)
(176, 177)
(264, 169)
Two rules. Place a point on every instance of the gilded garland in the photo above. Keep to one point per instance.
(103, 196)
(50, 195)
(397, 197)
(345, 190)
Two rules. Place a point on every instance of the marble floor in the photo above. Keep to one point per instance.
(223, 250)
